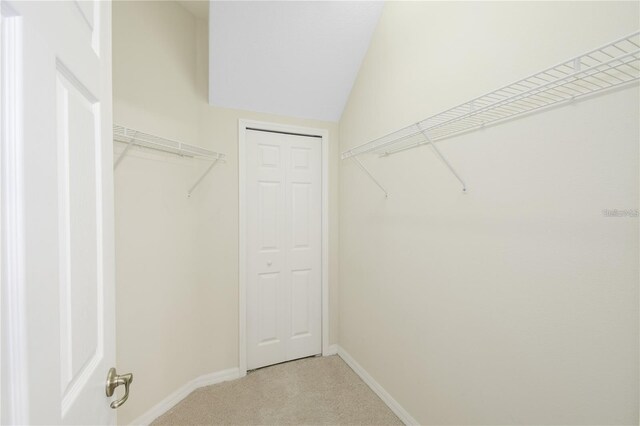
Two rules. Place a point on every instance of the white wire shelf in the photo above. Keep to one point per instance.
(133, 137)
(146, 140)
(612, 65)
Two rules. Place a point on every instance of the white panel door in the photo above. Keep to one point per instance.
(61, 79)
(284, 228)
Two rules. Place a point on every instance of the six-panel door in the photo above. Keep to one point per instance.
(62, 87)
(284, 228)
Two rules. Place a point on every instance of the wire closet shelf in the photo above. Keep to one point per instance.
(612, 65)
(133, 137)
(146, 140)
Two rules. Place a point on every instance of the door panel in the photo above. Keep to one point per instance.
(304, 233)
(300, 215)
(300, 303)
(283, 247)
(79, 234)
(65, 100)
(269, 292)
(268, 204)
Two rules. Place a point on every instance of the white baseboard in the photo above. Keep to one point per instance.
(377, 388)
(331, 350)
(170, 401)
(233, 373)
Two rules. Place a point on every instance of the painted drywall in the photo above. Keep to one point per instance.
(177, 257)
(516, 303)
(295, 58)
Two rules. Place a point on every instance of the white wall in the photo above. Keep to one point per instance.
(177, 257)
(518, 302)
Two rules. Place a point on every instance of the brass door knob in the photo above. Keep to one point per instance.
(113, 381)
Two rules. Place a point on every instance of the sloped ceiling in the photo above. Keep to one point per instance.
(293, 58)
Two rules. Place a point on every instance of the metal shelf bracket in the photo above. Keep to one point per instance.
(368, 173)
(195, 185)
(123, 153)
(442, 157)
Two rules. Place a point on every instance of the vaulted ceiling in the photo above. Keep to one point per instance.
(293, 58)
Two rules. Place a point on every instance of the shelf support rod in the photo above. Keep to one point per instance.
(364, 169)
(442, 157)
(202, 177)
(123, 153)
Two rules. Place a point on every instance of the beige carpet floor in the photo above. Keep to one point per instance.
(310, 391)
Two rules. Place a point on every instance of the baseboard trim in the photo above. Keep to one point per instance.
(233, 373)
(398, 410)
(170, 401)
(331, 350)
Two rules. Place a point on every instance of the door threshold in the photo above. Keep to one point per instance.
(284, 362)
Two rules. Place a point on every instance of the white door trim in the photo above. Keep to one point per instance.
(13, 354)
(242, 291)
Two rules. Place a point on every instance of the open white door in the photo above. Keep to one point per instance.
(57, 212)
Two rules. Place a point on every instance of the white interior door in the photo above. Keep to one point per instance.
(60, 68)
(284, 229)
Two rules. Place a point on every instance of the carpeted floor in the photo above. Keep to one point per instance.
(310, 391)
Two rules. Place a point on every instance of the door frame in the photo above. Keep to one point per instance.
(323, 134)
(13, 351)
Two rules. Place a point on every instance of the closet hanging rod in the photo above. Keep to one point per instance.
(612, 65)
